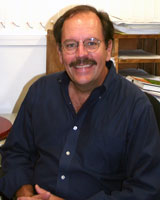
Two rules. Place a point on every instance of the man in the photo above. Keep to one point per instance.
(86, 133)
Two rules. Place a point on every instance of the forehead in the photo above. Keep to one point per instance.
(81, 26)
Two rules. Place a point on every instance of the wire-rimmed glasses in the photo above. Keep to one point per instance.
(90, 44)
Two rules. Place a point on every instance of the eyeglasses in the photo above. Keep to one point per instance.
(91, 45)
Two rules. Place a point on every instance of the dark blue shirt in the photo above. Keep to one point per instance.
(109, 150)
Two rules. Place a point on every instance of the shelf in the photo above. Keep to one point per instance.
(137, 56)
(134, 55)
(138, 36)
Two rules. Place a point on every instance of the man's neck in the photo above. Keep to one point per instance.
(80, 93)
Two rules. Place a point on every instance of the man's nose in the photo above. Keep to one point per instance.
(81, 50)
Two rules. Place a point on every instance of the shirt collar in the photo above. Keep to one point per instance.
(111, 76)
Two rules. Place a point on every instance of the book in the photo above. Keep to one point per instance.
(145, 83)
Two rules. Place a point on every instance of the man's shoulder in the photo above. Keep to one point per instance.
(47, 83)
(49, 79)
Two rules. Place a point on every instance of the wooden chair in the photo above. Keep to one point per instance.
(52, 59)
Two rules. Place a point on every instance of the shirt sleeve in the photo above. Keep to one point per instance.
(18, 152)
(142, 159)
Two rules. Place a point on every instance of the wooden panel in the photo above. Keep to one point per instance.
(123, 44)
(158, 51)
(53, 64)
(151, 45)
(138, 36)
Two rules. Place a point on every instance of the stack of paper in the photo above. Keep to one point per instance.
(148, 85)
(137, 27)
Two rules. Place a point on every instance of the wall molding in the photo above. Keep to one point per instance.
(14, 38)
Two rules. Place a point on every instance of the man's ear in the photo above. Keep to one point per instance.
(109, 50)
(59, 50)
(109, 47)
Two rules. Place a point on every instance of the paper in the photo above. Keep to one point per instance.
(137, 27)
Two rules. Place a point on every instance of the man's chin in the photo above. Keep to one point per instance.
(82, 82)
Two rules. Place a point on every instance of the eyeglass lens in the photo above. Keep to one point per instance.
(91, 45)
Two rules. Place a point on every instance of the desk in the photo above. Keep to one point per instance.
(136, 55)
(6, 121)
(5, 126)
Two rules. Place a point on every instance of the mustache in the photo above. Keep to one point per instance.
(82, 61)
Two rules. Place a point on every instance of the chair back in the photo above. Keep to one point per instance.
(52, 58)
(156, 106)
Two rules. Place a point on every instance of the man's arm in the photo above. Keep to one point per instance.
(41, 194)
(142, 160)
(18, 152)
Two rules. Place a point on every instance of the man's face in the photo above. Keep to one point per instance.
(84, 67)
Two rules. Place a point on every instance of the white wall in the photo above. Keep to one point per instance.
(34, 11)
(23, 59)
(136, 10)
(23, 47)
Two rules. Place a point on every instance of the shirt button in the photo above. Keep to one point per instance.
(100, 97)
(60, 81)
(63, 177)
(68, 153)
(75, 128)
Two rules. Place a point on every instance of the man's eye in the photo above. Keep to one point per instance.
(70, 45)
(92, 44)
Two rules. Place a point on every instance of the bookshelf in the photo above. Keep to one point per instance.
(138, 55)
